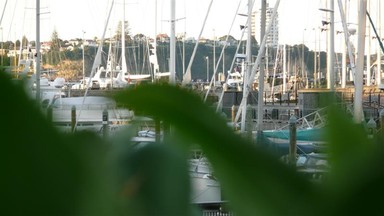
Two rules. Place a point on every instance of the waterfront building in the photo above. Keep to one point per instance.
(273, 36)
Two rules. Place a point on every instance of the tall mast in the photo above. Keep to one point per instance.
(123, 60)
(258, 61)
(38, 50)
(249, 65)
(368, 82)
(346, 38)
(331, 48)
(284, 68)
(260, 97)
(378, 62)
(358, 103)
(172, 61)
(156, 64)
(344, 46)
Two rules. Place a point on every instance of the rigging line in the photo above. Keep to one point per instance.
(377, 35)
(2, 15)
(222, 51)
(234, 58)
(21, 41)
(188, 72)
(162, 57)
(11, 23)
(135, 56)
(346, 39)
(92, 8)
(143, 56)
(180, 49)
(149, 55)
(277, 60)
(95, 65)
(230, 69)
(184, 34)
(257, 63)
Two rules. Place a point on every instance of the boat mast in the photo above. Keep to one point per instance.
(344, 61)
(368, 66)
(258, 61)
(284, 68)
(358, 103)
(331, 49)
(187, 76)
(96, 63)
(172, 62)
(123, 60)
(249, 65)
(155, 62)
(260, 102)
(38, 50)
(346, 37)
(220, 102)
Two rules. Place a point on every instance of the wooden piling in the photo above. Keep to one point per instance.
(73, 118)
(371, 126)
(233, 109)
(249, 122)
(382, 121)
(292, 140)
(157, 130)
(105, 122)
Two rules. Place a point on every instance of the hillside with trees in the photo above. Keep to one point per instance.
(66, 56)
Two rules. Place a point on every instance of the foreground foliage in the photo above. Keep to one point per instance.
(48, 173)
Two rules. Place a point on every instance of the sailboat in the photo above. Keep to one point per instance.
(206, 189)
(235, 78)
(128, 77)
(87, 113)
(90, 112)
(153, 60)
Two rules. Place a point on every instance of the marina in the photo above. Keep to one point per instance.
(267, 94)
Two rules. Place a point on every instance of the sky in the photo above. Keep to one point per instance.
(87, 18)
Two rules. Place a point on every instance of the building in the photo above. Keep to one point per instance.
(273, 36)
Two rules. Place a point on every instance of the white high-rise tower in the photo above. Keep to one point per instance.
(273, 36)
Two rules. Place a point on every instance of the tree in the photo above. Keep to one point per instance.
(4, 60)
(8, 45)
(54, 53)
(119, 30)
(69, 69)
(230, 38)
(24, 42)
(33, 43)
(17, 44)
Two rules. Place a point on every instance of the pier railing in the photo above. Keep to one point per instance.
(316, 119)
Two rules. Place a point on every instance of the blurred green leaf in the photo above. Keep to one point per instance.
(357, 167)
(252, 180)
(152, 180)
(45, 172)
